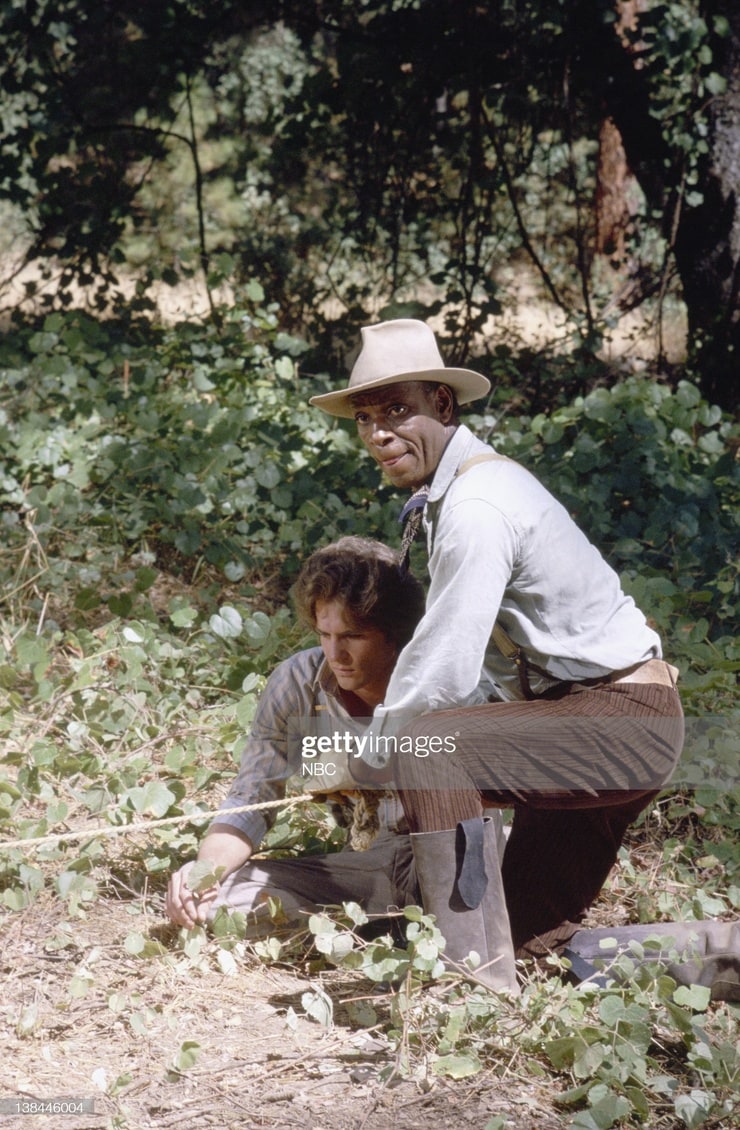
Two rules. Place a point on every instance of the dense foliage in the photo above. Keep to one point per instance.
(286, 142)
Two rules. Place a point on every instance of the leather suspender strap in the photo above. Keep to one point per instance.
(499, 635)
(513, 651)
(484, 457)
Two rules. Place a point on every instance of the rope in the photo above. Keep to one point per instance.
(145, 825)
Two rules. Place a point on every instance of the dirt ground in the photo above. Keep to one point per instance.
(85, 1020)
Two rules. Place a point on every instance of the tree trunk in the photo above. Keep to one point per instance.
(705, 237)
(707, 246)
(613, 173)
(613, 213)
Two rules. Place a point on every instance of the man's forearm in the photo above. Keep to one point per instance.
(225, 847)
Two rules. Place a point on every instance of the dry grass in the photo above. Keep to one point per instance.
(83, 1017)
(254, 1069)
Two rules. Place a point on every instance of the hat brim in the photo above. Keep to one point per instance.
(466, 385)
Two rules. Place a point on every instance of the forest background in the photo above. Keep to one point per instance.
(201, 204)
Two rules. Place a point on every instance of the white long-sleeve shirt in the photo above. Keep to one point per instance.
(502, 547)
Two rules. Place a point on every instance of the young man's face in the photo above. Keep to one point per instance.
(405, 428)
(361, 658)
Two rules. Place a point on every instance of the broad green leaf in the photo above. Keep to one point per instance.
(695, 1108)
(284, 368)
(457, 1066)
(318, 1005)
(355, 913)
(187, 1055)
(203, 875)
(258, 627)
(695, 997)
(319, 924)
(561, 1051)
(183, 616)
(245, 709)
(361, 1013)
(153, 799)
(227, 624)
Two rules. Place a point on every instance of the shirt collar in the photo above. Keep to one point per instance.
(326, 680)
(454, 454)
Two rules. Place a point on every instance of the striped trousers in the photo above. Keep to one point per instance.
(577, 765)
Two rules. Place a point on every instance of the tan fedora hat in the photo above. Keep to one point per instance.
(396, 351)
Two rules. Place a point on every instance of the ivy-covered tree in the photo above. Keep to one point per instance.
(670, 80)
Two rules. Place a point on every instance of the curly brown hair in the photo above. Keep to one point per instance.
(364, 574)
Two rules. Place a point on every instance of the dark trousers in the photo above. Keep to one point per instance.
(577, 766)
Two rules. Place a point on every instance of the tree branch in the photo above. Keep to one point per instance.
(521, 226)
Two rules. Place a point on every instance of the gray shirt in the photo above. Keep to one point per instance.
(300, 698)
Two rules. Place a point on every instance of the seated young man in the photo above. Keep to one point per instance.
(364, 611)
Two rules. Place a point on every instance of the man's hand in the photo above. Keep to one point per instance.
(191, 893)
(184, 906)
